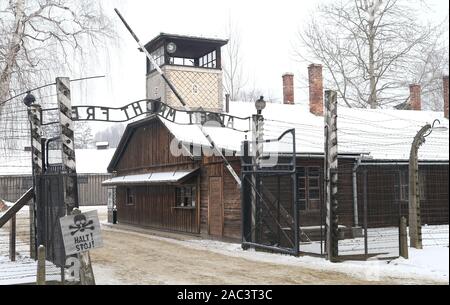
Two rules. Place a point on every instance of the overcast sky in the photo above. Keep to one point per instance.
(268, 28)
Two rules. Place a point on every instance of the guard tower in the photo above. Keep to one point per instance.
(193, 65)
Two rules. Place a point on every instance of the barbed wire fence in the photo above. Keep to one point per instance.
(373, 195)
(15, 180)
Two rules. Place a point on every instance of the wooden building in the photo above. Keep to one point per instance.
(157, 190)
(16, 178)
(197, 195)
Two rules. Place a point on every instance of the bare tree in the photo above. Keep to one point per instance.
(430, 64)
(366, 47)
(251, 95)
(38, 40)
(84, 138)
(234, 80)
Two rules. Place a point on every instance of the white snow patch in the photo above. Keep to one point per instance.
(429, 264)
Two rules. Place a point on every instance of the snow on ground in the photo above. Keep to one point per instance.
(383, 242)
(23, 271)
(430, 263)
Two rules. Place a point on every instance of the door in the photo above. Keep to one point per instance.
(215, 207)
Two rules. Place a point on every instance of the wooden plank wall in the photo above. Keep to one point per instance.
(149, 148)
(213, 167)
(91, 193)
(155, 208)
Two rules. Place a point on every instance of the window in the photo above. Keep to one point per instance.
(402, 186)
(179, 61)
(130, 197)
(308, 186)
(209, 60)
(186, 196)
(158, 56)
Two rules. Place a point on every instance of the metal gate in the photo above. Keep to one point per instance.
(268, 198)
(49, 209)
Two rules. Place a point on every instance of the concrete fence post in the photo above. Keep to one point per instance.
(331, 175)
(403, 238)
(12, 239)
(40, 277)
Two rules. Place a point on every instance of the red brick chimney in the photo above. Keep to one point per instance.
(316, 89)
(288, 89)
(415, 97)
(446, 96)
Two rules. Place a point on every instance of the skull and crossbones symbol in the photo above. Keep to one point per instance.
(81, 224)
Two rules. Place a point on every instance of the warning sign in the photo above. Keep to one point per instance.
(81, 233)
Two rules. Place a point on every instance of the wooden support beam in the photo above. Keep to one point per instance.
(12, 211)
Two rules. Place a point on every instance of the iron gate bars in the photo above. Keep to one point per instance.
(265, 220)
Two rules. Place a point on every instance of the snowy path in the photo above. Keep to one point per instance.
(136, 259)
(23, 271)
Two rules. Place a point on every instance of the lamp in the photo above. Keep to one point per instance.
(29, 99)
(260, 105)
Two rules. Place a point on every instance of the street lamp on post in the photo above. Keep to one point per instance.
(415, 223)
(258, 121)
(257, 145)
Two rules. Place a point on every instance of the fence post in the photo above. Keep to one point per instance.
(35, 117)
(403, 239)
(415, 223)
(12, 239)
(69, 164)
(40, 277)
(366, 213)
(68, 147)
(331, 171)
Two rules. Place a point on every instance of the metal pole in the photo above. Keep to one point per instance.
(244, 196)
(295, 204)
(415, 223)
(255, 161)
(35, 115)
(366, 206)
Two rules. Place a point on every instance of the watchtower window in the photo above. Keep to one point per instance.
(158, 56)
(187, 51)
(182, 61)
(209, 60)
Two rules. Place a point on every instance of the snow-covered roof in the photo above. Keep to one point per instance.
(150, 178)
(89, 161)
(380, 134)
(101, 144)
